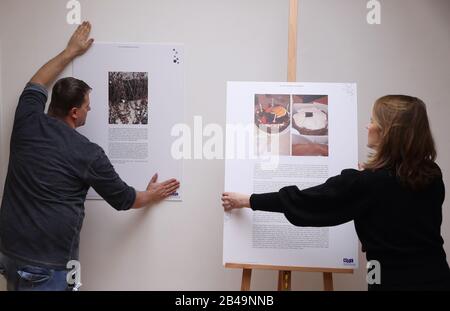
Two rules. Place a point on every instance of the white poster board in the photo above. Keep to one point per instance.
(137, 97)
(315, 127)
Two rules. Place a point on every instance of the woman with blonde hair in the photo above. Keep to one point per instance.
(395, 201)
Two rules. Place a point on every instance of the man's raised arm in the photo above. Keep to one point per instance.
(78, 44)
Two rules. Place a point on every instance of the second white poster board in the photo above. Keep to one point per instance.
(282, 134)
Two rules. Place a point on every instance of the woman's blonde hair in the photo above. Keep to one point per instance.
(406, 144)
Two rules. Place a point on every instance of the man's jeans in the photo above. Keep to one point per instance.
(23, 277)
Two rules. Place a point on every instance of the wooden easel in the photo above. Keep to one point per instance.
(284, 273)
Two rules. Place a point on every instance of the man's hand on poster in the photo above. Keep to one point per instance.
(231, 200)
(79, 43)
(159, 191)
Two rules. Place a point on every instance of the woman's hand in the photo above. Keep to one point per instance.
(231, 200)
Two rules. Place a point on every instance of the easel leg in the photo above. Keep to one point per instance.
(284, 280)
(328, 281)
(246, 279)
(292, 41)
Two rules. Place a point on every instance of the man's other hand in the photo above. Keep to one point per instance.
(160, 191)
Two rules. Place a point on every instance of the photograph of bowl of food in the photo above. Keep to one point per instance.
(310, 125)
(272, 113)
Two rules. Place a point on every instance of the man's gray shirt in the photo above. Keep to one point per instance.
(51, 168)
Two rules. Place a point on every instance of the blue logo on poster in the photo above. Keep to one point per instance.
(348, 261)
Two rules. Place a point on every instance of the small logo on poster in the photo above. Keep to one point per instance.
(176, 57)
(348, 261)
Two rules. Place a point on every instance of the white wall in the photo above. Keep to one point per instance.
(179, 246)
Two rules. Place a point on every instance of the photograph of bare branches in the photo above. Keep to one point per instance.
(128, 98)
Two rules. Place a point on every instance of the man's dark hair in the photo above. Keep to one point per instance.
(66, 94)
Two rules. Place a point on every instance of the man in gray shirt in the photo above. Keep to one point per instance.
(50, 170)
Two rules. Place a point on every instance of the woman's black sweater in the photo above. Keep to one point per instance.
(397, 226)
